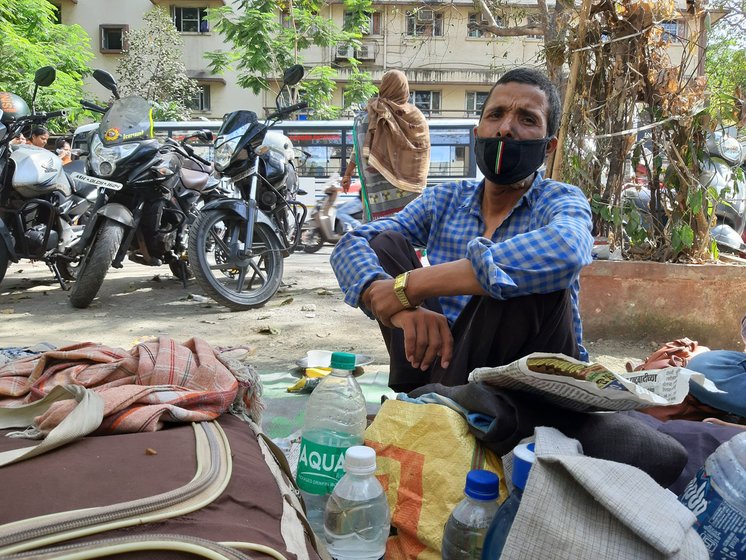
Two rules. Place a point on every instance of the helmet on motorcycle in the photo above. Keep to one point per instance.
(12, 107)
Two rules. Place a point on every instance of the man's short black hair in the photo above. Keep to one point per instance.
(534, 77)
(39, 130)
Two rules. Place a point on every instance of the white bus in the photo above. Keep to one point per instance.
(327, 146)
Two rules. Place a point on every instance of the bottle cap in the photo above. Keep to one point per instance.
(482, 485)
(360, 459)
(343, 360)
(523, 458)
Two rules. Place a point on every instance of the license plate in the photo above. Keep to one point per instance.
(95, 181)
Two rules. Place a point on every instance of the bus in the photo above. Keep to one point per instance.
(324, 148)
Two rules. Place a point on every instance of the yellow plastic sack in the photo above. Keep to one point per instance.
(424, 452)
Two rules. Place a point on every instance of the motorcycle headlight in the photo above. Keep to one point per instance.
(104, 159)
(224, 154)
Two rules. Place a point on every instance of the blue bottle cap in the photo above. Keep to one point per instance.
(523, 458)
(482, 485)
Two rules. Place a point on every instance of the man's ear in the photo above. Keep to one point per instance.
(552, 145)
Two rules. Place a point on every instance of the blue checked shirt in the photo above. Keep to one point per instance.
(539, 248)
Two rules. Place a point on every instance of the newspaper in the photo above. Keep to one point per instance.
(590, 386)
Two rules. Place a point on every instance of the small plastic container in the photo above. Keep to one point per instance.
(464, 532)
(717, 496)
(497, 534)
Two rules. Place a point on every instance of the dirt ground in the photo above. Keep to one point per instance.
(139, 302)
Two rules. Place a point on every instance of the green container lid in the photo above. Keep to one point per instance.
(343, 360)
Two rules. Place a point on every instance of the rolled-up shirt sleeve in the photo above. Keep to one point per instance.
(548, 258)
(354, 262)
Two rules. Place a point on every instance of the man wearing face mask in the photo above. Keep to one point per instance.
(505, 253)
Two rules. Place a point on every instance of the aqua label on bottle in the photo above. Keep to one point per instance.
(722, 528)
(319, 467)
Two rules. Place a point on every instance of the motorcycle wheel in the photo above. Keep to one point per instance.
(95, 264)
(3, 259)
(311, 240)
(237, 282)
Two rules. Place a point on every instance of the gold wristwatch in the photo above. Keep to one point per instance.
(400, 284)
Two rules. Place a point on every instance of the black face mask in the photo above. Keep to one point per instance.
(505, 161)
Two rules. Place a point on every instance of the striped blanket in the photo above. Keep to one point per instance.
(155, 382)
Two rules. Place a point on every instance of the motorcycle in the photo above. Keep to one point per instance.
(237, 245)
(719, 174)
(324, 224)
(41, 202)
(149, 194)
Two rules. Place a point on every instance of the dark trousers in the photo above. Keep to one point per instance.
(487, 333)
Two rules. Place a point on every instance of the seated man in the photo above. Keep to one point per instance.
(505, 253)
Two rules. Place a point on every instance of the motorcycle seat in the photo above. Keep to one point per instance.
(193, 179)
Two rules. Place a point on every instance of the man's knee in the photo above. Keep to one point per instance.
(386, 239)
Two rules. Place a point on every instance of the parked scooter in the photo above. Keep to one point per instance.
(41, 204)
(237, 246)
(726, 156)
(324, 224)
(148, 197)
(718, 172)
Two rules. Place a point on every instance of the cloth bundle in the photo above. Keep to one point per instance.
(156, 381)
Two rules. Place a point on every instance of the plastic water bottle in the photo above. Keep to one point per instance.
(497, 534)
(357, 518)
(335, 421)
(717, 496)
(463, 536)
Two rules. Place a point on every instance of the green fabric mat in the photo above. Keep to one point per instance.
(284, 412)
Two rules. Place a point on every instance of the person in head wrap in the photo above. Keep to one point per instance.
(505, 253)
(395, 149)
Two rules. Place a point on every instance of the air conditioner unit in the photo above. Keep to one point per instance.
(366, 52)
(425, 15)
(344, 52)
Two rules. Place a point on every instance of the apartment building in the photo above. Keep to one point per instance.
(450, 66)
(106, 22)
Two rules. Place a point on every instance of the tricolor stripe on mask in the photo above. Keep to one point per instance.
(499, 157)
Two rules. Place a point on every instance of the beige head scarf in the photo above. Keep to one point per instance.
(397, 144)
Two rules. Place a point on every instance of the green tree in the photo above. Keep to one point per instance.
(726, 63)
(152, 67)
(263, 45)
(29, 39)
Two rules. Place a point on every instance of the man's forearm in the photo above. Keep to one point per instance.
(448, 279)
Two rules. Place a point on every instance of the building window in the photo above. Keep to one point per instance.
(201, 100)
(285, 20)
(426, 101)
(478, 33)
(372, 27)
(112, 38)
(534, 20)
(673, 30)
(424, 22)
(190, 20)
(474, 102)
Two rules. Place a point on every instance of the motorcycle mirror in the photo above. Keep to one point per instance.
(106, 80)
(205, 135)
(45, 76)
(293, 75)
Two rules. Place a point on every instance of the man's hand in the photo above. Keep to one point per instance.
(345, 182)
(426, 336)
(381, 299)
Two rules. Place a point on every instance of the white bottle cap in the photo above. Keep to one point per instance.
(360, 459)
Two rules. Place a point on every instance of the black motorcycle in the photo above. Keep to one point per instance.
(237, 246)
(152, 194)
(41, 202)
